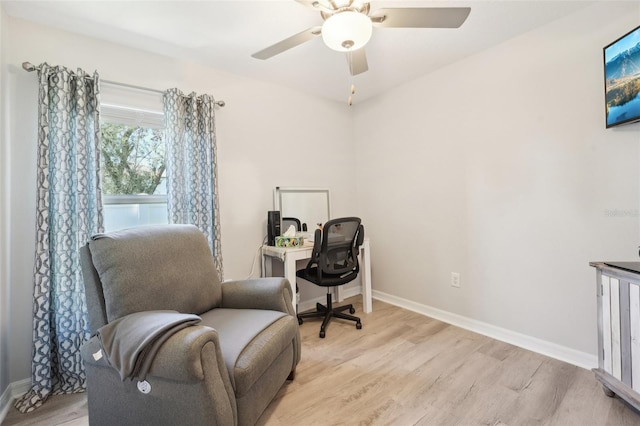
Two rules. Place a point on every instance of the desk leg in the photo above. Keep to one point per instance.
(290, 274)
(267, 266)
(365, 276)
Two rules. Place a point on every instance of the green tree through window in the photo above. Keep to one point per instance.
(133, 159)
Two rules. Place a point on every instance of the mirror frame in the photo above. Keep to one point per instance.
(279, 191)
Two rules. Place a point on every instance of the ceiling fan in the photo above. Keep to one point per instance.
(348, 25)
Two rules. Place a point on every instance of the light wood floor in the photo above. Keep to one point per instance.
(406, 369)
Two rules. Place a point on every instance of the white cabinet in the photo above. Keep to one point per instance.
(618, 292)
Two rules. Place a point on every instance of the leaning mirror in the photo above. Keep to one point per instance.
(309, 205)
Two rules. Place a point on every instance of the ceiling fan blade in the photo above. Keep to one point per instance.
(421, 17)
(288, 43)
(357, 61)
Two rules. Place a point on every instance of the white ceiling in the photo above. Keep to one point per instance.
(224, 34)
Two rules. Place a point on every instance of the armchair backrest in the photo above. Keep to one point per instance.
(162, 267)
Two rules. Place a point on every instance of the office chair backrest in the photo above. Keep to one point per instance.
(338, 251)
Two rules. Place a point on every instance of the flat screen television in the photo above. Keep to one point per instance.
(622, 79)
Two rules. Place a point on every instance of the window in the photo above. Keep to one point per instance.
(133, 167)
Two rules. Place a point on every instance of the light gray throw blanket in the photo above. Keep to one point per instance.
(130, 343)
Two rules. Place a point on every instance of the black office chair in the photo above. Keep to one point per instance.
(334, 262)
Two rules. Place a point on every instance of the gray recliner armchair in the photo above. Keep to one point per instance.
(170, 344)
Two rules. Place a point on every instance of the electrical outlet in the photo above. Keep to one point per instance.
(455, 279)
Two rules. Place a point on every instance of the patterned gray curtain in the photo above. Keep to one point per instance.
(69, 211)
(192, 184)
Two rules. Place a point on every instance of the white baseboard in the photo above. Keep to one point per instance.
(21, 387)
(10, 394)
(553, 350)
(306, 305)
(5, 402)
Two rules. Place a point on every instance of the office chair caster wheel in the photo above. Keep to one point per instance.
(359, 325)
(352, 310)
(322, 334)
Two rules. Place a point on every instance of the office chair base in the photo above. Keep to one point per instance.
(327, 312)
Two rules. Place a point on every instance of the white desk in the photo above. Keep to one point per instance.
(291, 255)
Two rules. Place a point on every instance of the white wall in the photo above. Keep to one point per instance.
(499, 167)
(260, 125)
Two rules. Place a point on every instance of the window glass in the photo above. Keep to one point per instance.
(133, 167)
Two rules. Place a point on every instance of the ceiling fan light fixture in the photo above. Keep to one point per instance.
(348, 30)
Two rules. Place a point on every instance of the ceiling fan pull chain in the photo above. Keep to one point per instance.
(353, 88)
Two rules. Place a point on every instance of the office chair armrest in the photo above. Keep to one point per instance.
(259, 293)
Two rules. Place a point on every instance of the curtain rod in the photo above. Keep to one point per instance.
(28, 66)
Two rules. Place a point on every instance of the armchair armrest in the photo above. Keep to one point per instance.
(181, 357)
(259, 293)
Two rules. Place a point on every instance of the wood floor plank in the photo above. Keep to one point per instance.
(583, 404)
(405, 369)
(542, 395)
(58, 410)
(518, 368)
